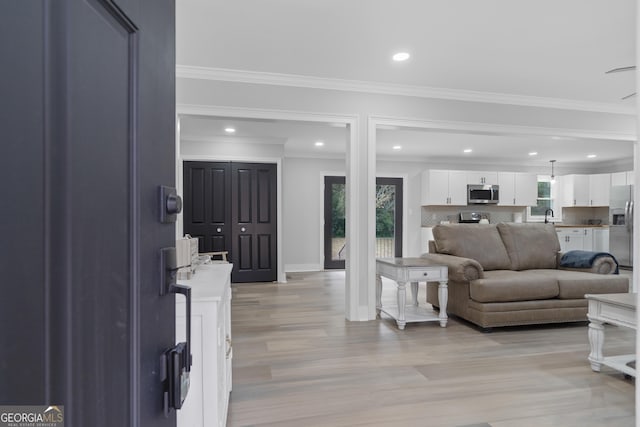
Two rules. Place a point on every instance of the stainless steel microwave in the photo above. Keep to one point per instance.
(482, 194)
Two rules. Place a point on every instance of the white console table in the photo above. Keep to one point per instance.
(412, 270)
(208, 398)
(616, 309)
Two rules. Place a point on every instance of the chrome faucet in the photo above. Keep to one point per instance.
(546, 220)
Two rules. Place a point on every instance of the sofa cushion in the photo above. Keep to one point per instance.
(575, 284)
(481, 242)
(530, 246)
(508, 286)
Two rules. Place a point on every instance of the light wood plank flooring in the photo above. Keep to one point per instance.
(298, 362)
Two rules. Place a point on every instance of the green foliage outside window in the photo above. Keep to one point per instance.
(337, 210)
(385, 210)
(544, 199)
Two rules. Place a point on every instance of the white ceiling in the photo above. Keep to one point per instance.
(543, 48)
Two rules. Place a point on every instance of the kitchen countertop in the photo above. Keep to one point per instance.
(557, 224)
(581, 226)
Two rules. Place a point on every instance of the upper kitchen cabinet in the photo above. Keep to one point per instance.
(444, 187)
(475, 177)
(586, 190)
(622, 178)
(518, 189)
(599, 189)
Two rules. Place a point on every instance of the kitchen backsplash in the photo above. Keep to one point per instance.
(580, 216)
(432, 215)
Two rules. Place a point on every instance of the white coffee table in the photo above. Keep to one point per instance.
(412, 270)
(616, 309)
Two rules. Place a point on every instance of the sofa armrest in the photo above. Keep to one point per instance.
(604, 264)
(460, 269)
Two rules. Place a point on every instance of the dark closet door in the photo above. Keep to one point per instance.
(207, 195)
(253, 217)
(233, 207)
(88, 121)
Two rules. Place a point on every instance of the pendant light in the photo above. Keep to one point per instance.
(553, 177)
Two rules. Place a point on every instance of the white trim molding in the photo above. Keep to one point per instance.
(299, 268)
(258, 113)
(483, 128)
(294, 80)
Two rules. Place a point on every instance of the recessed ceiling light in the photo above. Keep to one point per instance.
(401, 56)
(397, 147)
(591, 156)
(230, 130)
(467, 150)
(533, 153)
(319, 143)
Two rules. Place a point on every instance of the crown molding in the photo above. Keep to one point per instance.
(279, 79)
(485, 128)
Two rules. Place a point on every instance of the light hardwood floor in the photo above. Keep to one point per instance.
(298, 362)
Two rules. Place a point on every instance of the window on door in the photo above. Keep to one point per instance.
(388, 220)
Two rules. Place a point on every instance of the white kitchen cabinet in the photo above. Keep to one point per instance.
(619, 178)
(571, 239)
(477, 177)
(576, 238)
(444, 187)
(599, 189)
(588, 239)
(601, 239)
(518, 189)
(622, 178)
(586, 190)
(208, 398)
(575, 190)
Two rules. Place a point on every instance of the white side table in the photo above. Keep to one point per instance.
(616, 309)
(412, 270)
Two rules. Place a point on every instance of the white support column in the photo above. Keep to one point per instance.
(353, 211)
(371, 215)
(360, 301)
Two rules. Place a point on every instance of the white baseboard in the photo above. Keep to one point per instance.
(299, 268)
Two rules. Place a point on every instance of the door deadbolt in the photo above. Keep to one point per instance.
(174, 204)
(170, 204)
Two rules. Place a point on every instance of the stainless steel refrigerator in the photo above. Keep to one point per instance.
(621, 224)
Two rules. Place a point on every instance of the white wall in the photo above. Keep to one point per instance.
(229, 150)
(302, 186)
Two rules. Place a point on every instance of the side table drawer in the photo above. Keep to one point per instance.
(423, 275)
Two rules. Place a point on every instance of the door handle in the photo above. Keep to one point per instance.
(630, 222)
(243, 229)
(176, 361)
(219, 230)
(626, 215)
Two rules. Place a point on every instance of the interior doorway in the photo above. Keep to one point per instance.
(388, 220)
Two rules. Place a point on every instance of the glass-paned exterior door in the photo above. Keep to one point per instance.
(388, 220)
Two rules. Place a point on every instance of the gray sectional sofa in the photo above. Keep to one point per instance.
(508, 274)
